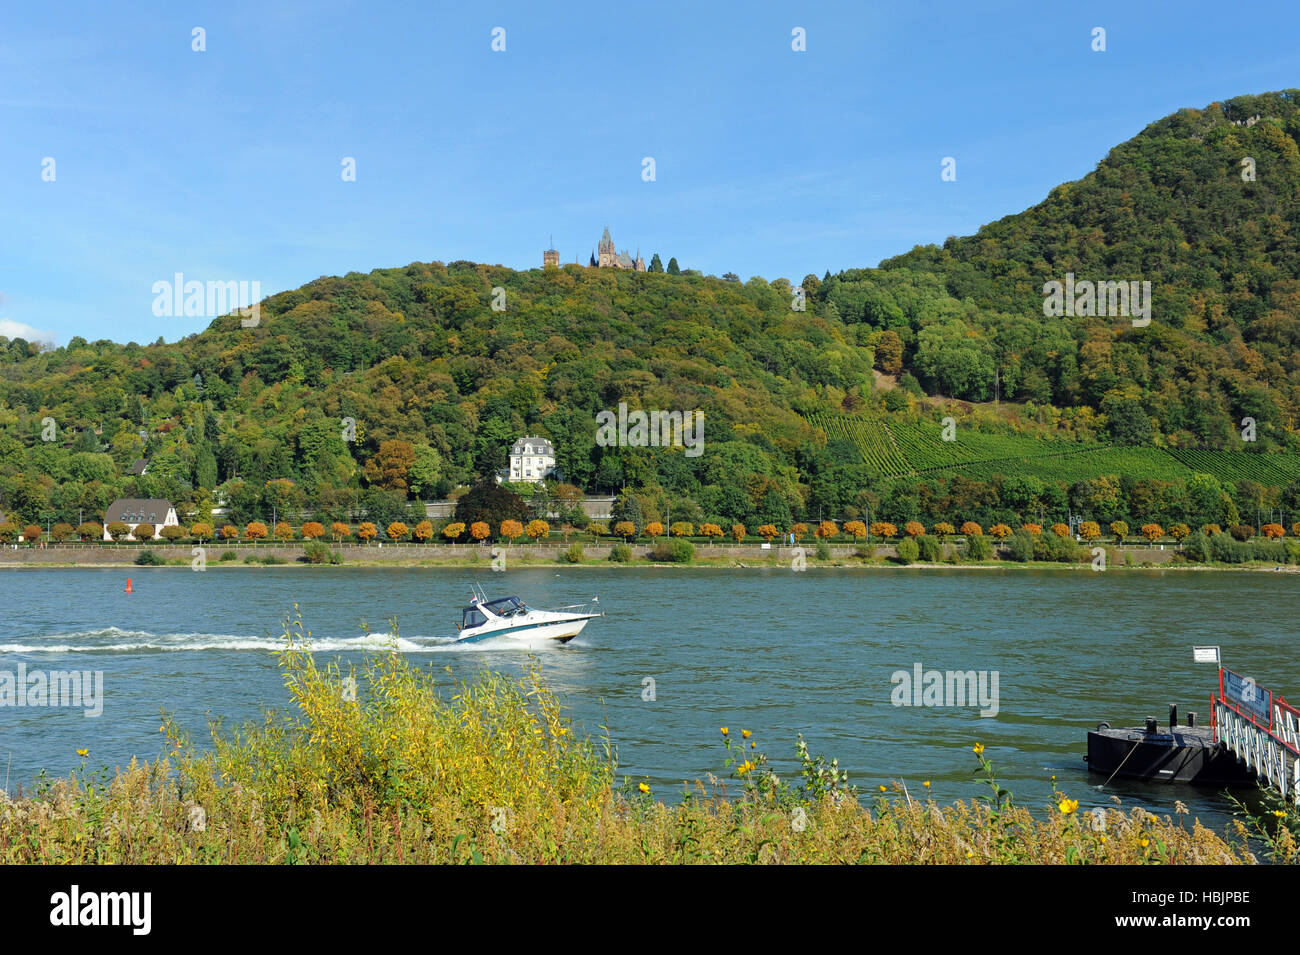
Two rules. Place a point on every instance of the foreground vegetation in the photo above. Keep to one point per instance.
(391, 765)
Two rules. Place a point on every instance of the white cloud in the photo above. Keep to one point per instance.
(11, 329)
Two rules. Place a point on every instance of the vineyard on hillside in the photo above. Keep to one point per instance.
(894, 449)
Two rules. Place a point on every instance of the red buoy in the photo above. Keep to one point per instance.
(128, 586)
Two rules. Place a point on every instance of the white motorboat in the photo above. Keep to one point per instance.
(511, 618)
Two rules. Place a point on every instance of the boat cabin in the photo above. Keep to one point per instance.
(473, 616)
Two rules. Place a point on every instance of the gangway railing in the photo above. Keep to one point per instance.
(1261, 730)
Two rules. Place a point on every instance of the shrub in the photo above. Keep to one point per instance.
(930, 547)
(1241, 532)
(1197, 548)
(620, 553)
(823, 550)
(314, 552)
(907, 550)
(673, 552)
(1021, 546)
(1270, 531)
(149, 558)
(274, 559)
(978, 547)
(228, 555)
(1056, 548)
(575, 554)
(1293, 552)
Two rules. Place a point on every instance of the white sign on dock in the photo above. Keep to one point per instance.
(1205, 655)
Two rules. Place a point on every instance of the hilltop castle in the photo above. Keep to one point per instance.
(608, 258)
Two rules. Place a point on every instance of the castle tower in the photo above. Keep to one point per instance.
(640, 262)
(608, 257)
(550, 257)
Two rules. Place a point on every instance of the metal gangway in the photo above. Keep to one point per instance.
(1261, 730)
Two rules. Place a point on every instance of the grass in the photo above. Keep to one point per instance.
(394, 764)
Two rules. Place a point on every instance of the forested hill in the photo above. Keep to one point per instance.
(795, 424)
(1204, 204)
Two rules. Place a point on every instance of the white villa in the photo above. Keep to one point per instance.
(531, 459)
(140, 510)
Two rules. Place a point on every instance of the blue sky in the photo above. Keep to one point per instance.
(225, 164)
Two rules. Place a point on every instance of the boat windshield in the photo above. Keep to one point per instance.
(472, 618)
(506, 606)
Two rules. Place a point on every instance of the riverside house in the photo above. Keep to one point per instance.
(140, 510)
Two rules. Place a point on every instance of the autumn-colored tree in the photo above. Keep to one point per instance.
(598, 529)
(173, 532)
(537, 529)
(8, 532)
(1061, 530)
(944, 530)
(683, 529)
(32, 532)
(512, 530)
(710, 530)
(1034, 529)
(367, 531)
(423, 531)
(141, 532)
(1000, 531)
(1269, 530)
(397, 531)
(738, 533)
(229, 532)
(800, 531)
(453, 530)
(826, 530)
(340, 531)
(1090, 530)
(1295, 529)
(255, 531)
(284, 531)
(1209, 530)
(971, 529)
(914, 529)
(654, 529)
(883, 529)
(857, 528)
(768, 532)
(1120, 529)
(90, 531)
(1153, 532)
(61, 532)
(390, 468)
(480, 531)
(313, 530)
(625, 530)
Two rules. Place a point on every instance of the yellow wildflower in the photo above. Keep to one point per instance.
(978, 749)
(83, 752)
(643, 787)
(724, 731)
(1068, 806)
(746, 733)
